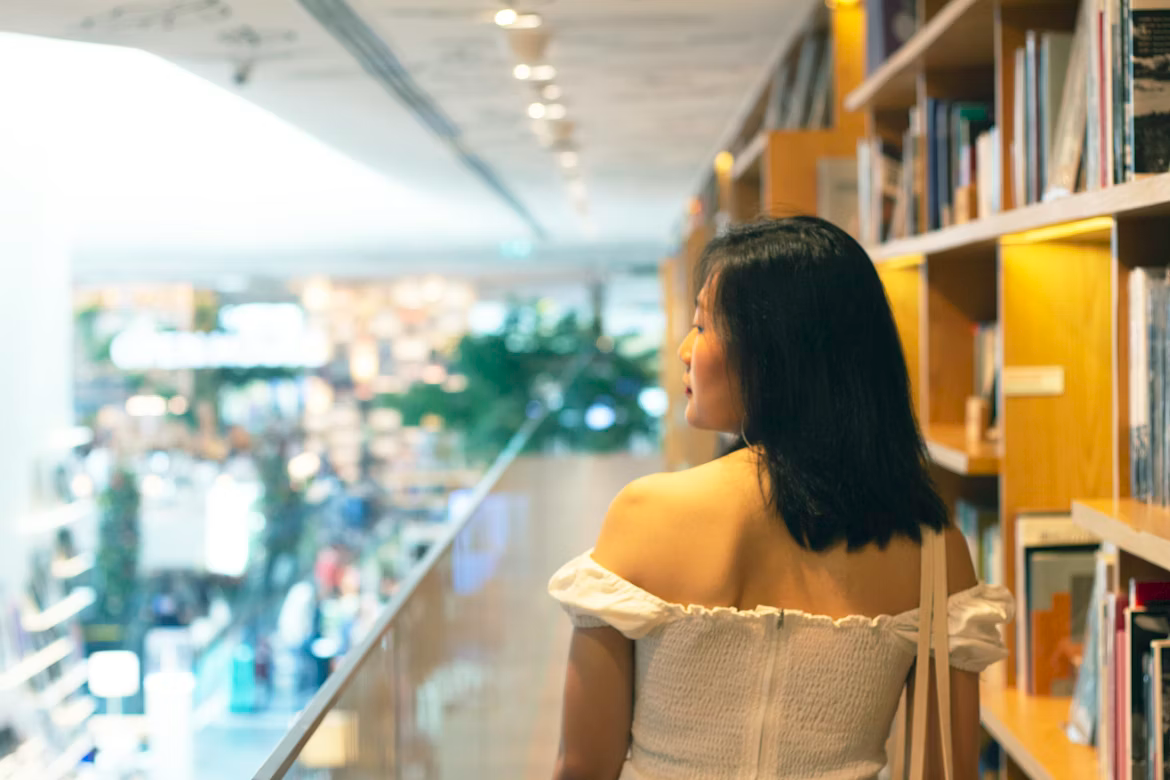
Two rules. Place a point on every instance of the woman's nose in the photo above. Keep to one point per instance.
(684, 349)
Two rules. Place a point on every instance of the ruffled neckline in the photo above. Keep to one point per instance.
(976, 592)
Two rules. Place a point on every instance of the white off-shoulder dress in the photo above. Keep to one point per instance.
(723, 694)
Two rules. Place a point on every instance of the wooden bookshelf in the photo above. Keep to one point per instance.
(958, 36)
(1030, 729)
(1134, 526)
(948, 448)
(1146, 197)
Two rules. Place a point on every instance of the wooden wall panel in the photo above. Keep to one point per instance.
(1056, 310)
(905, 289)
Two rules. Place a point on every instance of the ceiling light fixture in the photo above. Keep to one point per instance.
(551, 92)
(522, 72)
(557, 111)
(537, 111)
(507, 17)
(543, 73)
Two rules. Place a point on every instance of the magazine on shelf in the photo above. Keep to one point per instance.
(1143, 625)
(1086, 712)
(1149, 36)
(1039, 534)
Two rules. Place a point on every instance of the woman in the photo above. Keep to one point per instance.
(756, 616)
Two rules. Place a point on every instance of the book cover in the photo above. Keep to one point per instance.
(1091, 9)
(1019, 145)
(933, 214)
(1037, 534)
(837, 193)
(1150, 41)
(1139, 384)
(1060, 589)
(1120, 669)
(1160, 720)
(1069, 125)
(1156, 317)
(942, 144)
(1084, 713)
(987, 172)
(1055, 53)
(1032, 119)
(889, 24)
(1143, 625)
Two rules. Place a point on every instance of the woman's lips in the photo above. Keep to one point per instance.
(689, 392)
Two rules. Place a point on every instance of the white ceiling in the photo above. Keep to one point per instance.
(651, 86)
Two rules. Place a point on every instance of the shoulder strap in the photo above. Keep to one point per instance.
(932, 624)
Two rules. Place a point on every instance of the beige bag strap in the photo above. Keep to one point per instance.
(932, 624)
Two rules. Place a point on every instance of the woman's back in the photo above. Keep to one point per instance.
(753, 656)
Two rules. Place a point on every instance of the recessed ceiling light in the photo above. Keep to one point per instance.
(544, 73)
(551, 92)
(527, 22)
(506, 17)
(557, 111)
(569, 159)
(537, 111)
(522, 72)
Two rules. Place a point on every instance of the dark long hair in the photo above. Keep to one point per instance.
(811, 340)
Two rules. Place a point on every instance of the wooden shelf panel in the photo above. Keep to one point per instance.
(1134, 526)
(958, 36)
(1030, 729)
(948, 448)
(1147, 196)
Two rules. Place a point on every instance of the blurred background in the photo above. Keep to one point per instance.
(282, 282)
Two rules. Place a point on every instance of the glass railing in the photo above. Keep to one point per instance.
(457, 665)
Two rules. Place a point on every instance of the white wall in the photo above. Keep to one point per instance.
(35, 327)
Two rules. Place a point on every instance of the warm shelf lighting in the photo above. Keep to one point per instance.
(902, 261)
(724, 162)
(537, 111)
(543, 73)
(522, 72)
(507, 17)
(1058, 232)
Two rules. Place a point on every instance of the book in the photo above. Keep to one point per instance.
(1150, 62)
(1060, 590)
(777, 107)
(837, 193)
(974, 521)
(1083, 725)
(1053, 56)
(1069, 125)
(941, 140)
(1160, 711)
(1019, 142)
(796, 115)
(889, 24)
(820, 110)
(1039, 534)
(1139, 383)
(988, 172)
(1143, 625)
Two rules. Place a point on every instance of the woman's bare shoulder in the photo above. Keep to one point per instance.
(659, 519)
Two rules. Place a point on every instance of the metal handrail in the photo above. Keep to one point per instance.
(286, 753)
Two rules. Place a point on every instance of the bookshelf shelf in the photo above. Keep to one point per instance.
(958, 36)
(1031, 730)
(1144, 197)
(948, 448)
(1134, 526)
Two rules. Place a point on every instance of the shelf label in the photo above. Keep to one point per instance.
(1033, 381)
